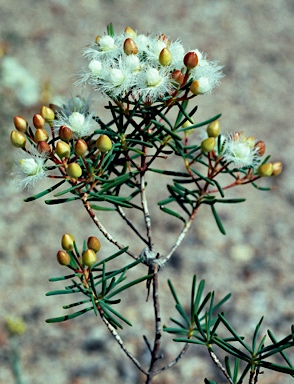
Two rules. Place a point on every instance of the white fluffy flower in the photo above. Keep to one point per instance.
(240, 150)
(29, 169)
(80, 123)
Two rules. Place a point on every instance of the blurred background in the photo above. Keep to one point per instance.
(41, 43)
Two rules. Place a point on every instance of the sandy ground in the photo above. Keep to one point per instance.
(254, 42)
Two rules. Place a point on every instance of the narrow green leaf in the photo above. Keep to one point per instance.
(68, 190)
(172, 213)
(76, 304)
(167, 130)
(61, 201)
(119, 315)
(254, 339)
(206, 381)
(206, 122)
(202, 177)
(38, 195)
(99, 208)
(222, 193)
(128, 285)
(109, 316)
(234, 333)
(230, 201)
(116, 254)
(60, 292)
(282, 353)
(185, 340)
(198, 297)
(171, 287)
(68, 317)
(59, 278)
(218, 220)
(110, 30)
(169, 173)
(221, 302)
(166, 201)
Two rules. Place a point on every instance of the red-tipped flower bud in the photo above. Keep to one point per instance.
(191, 60)
(62, 150)
(265, 170)
(130, 47)
(41, 135)
(213, 129)
(43, 147)
(165, 57)
(81, 147)
(94, 243)
(65, 133)
(89, 257)
(178, 76)
(208, 144)
(63, 258)
(67, 242)
(260, 146)
(104, 143)
(38, 121)
(129, 32)
(18, 139)
(20, 124)
(74, 170)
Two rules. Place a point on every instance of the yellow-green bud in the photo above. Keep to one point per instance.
(18, 139)
(130, 47)
(130, 33)
(265, 170)
(20, 124)
(208, 144)
(62, 150)
(213, 129)
(41, 135)
(94, 243)
(38, 121)
(186, 125)
(47, 113)
(103, 143)
(74, 170)
(277, 168)
(67, 242)
(65, 133)
(195, 87)
(191, 60)
(81, 147)
(15, 326)
(89, 257)
(63, 258)
(165, 57)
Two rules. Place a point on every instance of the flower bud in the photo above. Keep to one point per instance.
(18, 139)
(129, 32)
(62, 150)
(213, 129)
(67, 242)
(260, 146)
(41, 135)
(74, 170)
(165, 57)
(191, 60)
(130, 47)
(277, 168)
(43, 147)
(38, 121)
(178, 76)
(265, 170)
(93, 243)
(47, 113)
(104, 143)
(81, 147)
(65, 133)
(97, 39)
(89, 257)
(188, 124)
(63, 258)
(20, 124)
(208, 144)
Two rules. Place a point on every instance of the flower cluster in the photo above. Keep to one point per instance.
(147, 67)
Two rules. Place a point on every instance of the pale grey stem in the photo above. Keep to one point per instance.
(174, 362)
(146, 212)
(165, 259)
(219, 365)
(119, 340)
(102, 229)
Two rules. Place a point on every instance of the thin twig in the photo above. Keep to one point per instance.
(146, 212)
(219, 365)
(174, 362)
(130, 224)
(117, 337)
(102, 229)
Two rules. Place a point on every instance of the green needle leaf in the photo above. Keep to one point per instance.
(68, 317)
(218, 220)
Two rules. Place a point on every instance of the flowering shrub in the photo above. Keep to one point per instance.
(106, 165)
